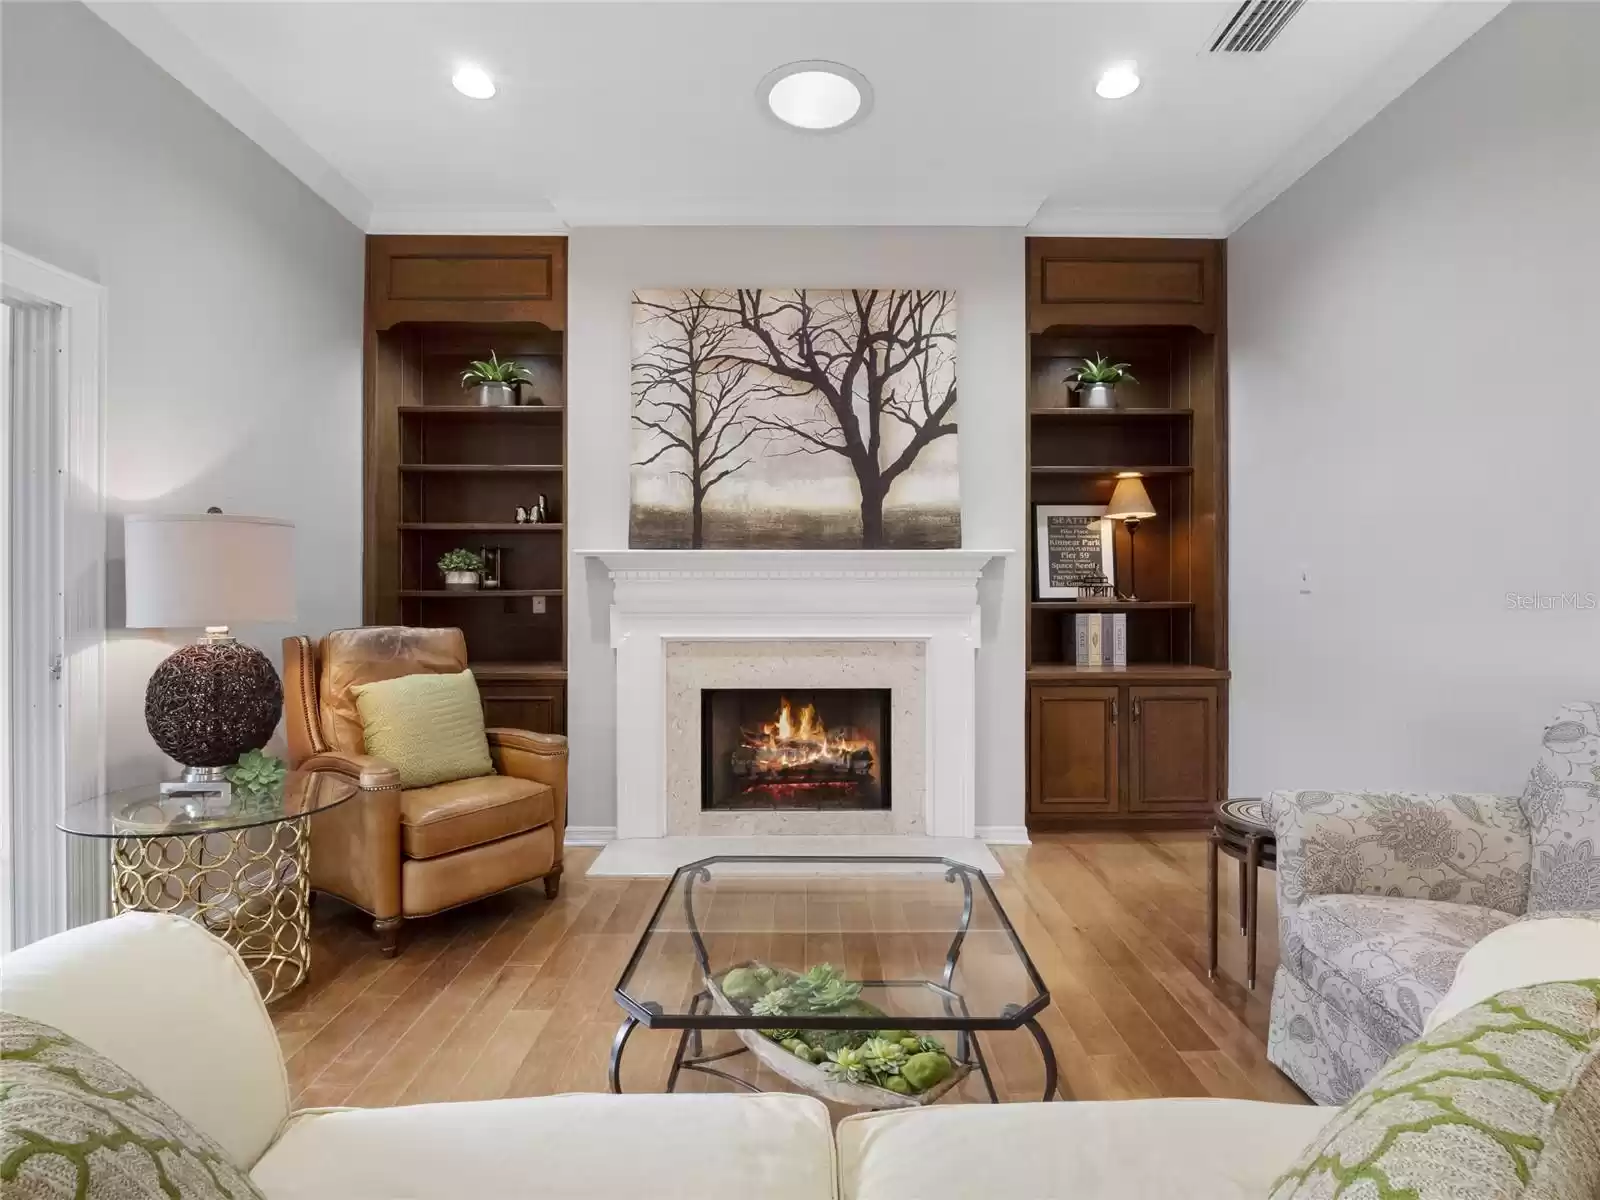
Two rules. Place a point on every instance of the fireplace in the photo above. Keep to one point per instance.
(822, 749)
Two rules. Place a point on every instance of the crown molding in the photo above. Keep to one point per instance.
(1065, 220)
(167, 46)
(538, 218)
(1451, 24)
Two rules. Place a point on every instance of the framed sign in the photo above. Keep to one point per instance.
(1073, 549)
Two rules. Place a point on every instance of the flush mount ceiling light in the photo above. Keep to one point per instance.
(473, 81)
(816, 95)
(1118, 81)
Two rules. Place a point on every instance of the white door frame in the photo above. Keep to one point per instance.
(53, 741)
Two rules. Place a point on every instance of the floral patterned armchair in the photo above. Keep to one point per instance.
(1380, 894)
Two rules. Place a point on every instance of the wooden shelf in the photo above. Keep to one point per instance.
(479, 410)
(1159, 672)
(1110, 605)
(1114, 414)
(482, 468)
(479, 594)
(484, 526)
(1109, 471)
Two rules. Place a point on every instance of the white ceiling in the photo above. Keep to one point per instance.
(646, 113)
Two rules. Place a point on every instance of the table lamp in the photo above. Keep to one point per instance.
(214, 699)
(1130, 504)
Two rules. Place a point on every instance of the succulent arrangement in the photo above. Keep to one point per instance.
(893, 1059)
(1100, 369)
(460, 560)
(256, 778)
(495, 371)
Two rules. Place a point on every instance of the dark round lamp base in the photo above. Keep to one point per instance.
(209, 702)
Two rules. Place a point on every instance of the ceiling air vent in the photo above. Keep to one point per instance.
(1254, 26)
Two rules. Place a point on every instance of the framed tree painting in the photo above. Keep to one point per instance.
(1073, 550)
(790, 419)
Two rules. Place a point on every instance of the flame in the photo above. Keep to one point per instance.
(803, 740)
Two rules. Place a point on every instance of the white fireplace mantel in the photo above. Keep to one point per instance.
(926, 596)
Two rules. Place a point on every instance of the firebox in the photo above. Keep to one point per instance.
(797, 748)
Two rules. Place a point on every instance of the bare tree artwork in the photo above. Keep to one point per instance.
(828, 416)
(693, 398)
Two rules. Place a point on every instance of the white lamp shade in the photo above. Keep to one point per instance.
(192, 570)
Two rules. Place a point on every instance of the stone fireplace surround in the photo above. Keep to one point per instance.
(683, 620)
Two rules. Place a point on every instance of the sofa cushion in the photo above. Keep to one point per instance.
(1562, 803)
(469, 812)
(578, 1147)
(1085, 1150)
(1399, 954)
(428, 726)
(1502, 1101)
(1534, 950)
(73, 1124)
(171, 1005)
(353, 656)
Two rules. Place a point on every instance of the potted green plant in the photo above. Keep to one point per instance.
(463, 570)
(495, 382)
(1096, 381)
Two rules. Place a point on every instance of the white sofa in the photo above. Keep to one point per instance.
(175, 1008)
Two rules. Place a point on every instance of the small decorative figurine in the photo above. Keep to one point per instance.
(522, 515)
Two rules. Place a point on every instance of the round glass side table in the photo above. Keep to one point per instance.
(239, 865)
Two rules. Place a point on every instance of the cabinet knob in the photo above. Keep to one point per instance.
(1113, 712)
(1137, 706)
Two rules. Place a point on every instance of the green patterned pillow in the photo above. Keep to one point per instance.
(1500, 1101)
(75, 1126)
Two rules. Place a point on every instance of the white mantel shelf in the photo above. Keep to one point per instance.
(927, 596)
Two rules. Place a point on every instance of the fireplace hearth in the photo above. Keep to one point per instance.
(771, 749)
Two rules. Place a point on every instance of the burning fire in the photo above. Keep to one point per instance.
(800, 742)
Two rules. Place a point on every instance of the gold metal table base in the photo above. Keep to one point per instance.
(249, 887)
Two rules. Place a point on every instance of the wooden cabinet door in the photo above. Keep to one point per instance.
(538, 706)
(470, 278)
(1172, 749)
(1124, 281)
(1072, 745)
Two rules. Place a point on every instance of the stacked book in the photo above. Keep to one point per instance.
(1098, 639)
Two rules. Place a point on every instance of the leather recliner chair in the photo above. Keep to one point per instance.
(402, 854)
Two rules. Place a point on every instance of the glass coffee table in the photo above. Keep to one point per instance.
(820, 963)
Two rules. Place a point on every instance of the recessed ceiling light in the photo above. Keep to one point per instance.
(1117, 82)
(474, 82)
(816, 95)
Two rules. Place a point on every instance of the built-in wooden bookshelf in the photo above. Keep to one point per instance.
(1142, 744)
(442, 472)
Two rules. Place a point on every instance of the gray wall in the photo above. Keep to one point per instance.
(233, 356)
(1416, 424)
(984, 266)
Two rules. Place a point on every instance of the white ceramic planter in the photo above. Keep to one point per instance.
(461, 581)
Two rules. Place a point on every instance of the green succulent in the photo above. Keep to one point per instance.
(495, 371)
(924, 1070)
(460, 560)
(257, 776)
(882, 1057)
(822, 989)
(930, 1045)
(799, 1049)
(1100, 369)
(776, 1003)
(781, 1035)
(848, 1065)
(897, 1084)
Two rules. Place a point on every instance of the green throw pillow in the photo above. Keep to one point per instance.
(428, 727)
(1500, 1101)
(75, 1126)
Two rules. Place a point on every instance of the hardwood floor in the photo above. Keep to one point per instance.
(512, 996)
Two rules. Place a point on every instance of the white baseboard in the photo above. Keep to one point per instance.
(1004, 835)
(589, 835)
